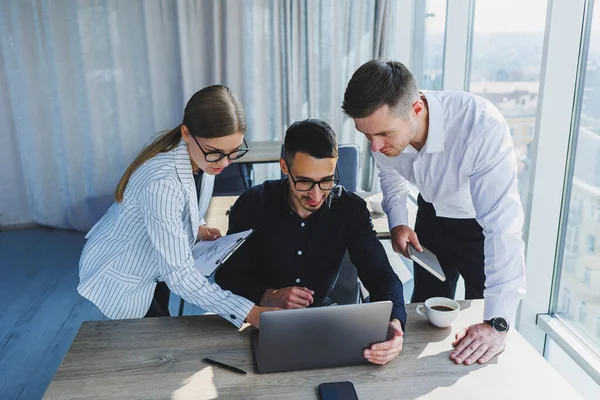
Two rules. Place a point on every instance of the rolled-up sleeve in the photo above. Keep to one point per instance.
(395, 190)
(493, 182)
(162, 205)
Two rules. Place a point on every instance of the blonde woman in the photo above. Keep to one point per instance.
(141, 247)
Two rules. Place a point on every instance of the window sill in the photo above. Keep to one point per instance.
(570, 344)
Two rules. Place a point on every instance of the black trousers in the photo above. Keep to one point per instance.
(458, 245)
(160, 303)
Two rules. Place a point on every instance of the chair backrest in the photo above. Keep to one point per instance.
(348, 165)
(233, 180)
(346, 289)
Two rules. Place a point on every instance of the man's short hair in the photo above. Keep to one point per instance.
(378, 83)
(311, 136)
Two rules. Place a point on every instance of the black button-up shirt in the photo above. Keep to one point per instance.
(286, 250)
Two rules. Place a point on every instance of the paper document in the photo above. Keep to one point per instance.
(209, 255)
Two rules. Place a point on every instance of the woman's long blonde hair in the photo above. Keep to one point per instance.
(210, 113)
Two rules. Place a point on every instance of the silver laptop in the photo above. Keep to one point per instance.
(319, 337)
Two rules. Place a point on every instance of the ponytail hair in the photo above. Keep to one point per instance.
(165, 142)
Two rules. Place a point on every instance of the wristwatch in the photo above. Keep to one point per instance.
(499, 324)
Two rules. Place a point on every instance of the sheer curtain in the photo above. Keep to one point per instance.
(84, 85)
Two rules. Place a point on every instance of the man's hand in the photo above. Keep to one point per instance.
(478, 342)
(253, 317)
(289, 297)
(384, 352)
(206, 233)
(402, 235)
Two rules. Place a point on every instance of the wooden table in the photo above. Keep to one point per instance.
(160, 358)
(216, 216)
(217, 213)
(262, 152)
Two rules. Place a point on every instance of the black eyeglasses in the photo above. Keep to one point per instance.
(215, 156)
(304, 185)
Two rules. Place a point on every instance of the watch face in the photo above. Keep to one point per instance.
(500, 324)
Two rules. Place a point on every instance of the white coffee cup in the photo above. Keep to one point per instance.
(439, 318)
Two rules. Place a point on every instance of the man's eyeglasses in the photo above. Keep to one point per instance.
(304, 185)
(215, 156)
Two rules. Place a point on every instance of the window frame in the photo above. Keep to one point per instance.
(568, 30)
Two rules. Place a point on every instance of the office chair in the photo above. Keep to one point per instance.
(347, 288)
(233, 180)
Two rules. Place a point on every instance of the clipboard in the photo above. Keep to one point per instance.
(237, 245)
(210, 255)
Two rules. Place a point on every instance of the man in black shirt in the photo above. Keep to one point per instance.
(303, 226)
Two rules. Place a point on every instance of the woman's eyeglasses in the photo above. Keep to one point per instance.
(215, 156)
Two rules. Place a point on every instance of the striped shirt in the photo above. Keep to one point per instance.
(148, 238)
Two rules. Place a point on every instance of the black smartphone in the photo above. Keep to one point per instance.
(337, 391)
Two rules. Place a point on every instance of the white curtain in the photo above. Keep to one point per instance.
(85, 84)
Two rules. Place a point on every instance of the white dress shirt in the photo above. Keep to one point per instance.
(148, 238)
(466, 169)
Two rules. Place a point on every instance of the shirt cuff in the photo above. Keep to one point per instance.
(238, 316)
(501, 307)
(397, 216)
(400, 315)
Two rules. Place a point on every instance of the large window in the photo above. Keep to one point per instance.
(579, 268)
(428, 43)
(508, 38)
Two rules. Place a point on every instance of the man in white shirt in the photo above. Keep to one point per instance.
(455, 147)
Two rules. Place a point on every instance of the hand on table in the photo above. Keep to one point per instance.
(479, 342)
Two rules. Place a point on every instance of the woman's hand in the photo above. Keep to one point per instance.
(206, 233)
(253, 317)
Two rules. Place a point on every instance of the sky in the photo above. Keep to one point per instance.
(496, 15)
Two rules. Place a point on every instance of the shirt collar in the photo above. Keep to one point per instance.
(183, 164)
(435, 132)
